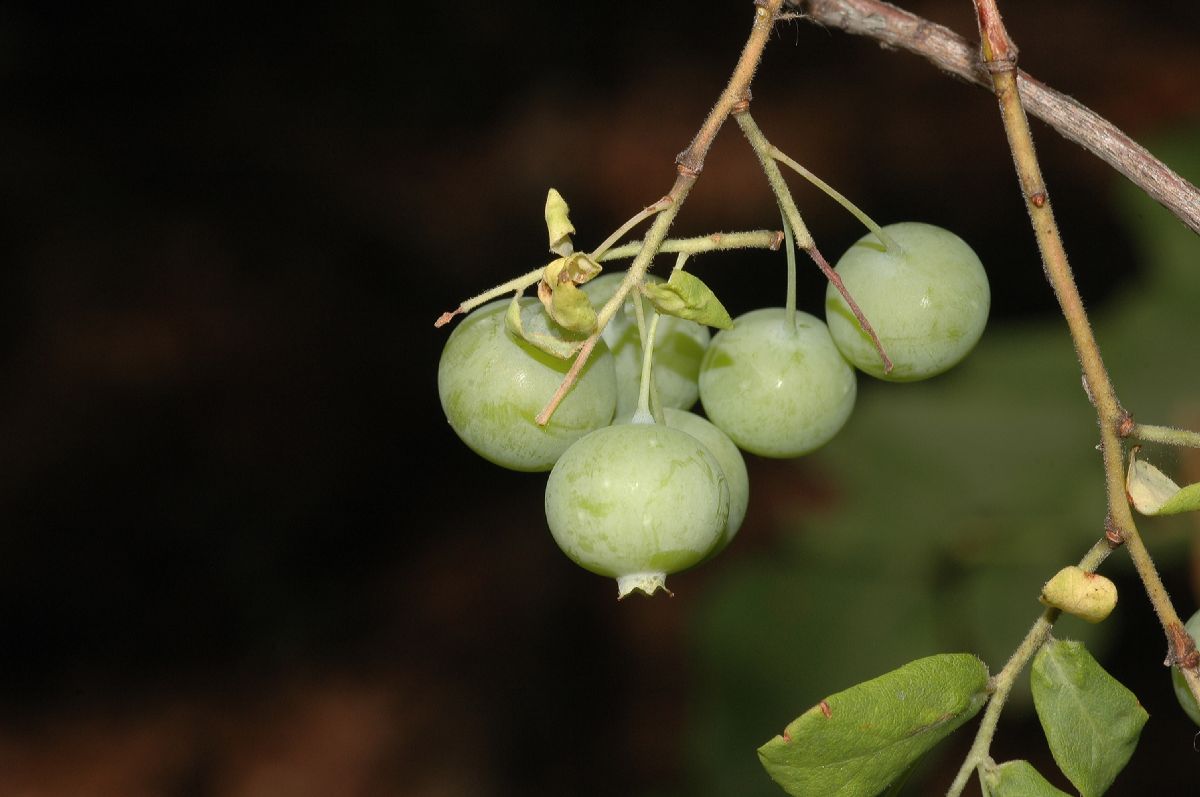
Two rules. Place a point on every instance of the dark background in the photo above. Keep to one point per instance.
(241, 552)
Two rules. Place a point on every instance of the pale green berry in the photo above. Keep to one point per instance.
(637, 502)
(728, 456)
(678, 346)
(928, 301)
(493, 385)
(777, 389)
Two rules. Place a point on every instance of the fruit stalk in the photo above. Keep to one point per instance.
(804, 240)
(1000, 58)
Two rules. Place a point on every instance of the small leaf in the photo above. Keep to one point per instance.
(685, 296)
(1152, 492)
(1091, 721)
(1089, 596)
(549, 343)
(1017, 779)
(558, 224)
(858, 741)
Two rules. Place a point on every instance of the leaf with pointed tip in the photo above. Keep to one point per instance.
(686, 296)
(1152, 492)
(1017, 779)
(858, 741)
(1091, 720)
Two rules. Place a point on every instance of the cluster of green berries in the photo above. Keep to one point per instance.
(637, 500)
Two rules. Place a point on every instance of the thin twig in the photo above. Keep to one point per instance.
(689, 164)
(951, 53)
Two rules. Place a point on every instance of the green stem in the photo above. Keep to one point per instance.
(646, 333)
(783, 196)
(755, 239)
(1002, 682)
(643, 214)
(515, 284)
(1167, 435)
(789, 305)
(889, 243)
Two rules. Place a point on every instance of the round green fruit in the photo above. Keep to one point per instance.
(678, 346)
(637, 502)
(928, 301)
(728, 456)
(492, 386)
(777, 389)
(1182, 693)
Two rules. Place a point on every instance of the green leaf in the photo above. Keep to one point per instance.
(1091, 721)
(558, 223)
(1017, 779)
(858, 741)
(686, 296)
(1152, 492)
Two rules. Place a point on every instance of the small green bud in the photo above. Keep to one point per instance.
(1088, 596)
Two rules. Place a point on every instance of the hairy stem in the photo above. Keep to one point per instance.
(1165, 434)
(720, 241)
(854, 210)
(783, 195)
(689, 164)
(999, 54)
(951, 53)
(515, 284)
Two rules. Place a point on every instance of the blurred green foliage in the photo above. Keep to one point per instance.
(956, 499)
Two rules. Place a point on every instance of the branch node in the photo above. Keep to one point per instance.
(1038, 198)
(1126, 425)
(1006, 63)
(1181, 649)
(1115, 537)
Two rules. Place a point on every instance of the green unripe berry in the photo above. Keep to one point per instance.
(728, 456)
(637, 502)
(492, 386)
(777, 390)
(928, 301)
